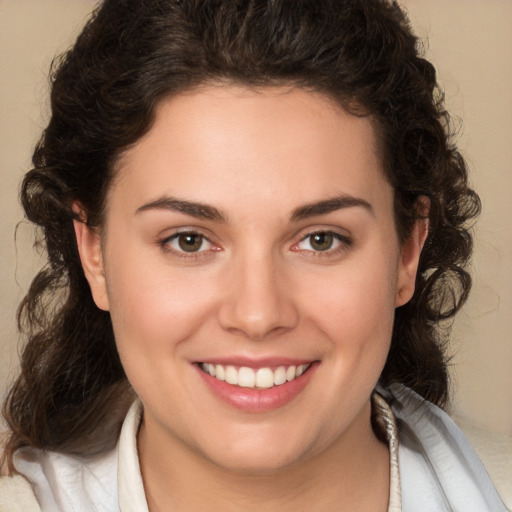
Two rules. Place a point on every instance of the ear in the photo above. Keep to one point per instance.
(89, 248)
(411, 252)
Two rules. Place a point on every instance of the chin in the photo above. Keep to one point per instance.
(259, 454)
(263, 462)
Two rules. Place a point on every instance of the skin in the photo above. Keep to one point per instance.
(256, 288)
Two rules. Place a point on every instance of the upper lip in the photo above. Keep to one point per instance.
(261, 362)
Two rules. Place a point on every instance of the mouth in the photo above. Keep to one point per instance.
(255, 378)
(257, 386)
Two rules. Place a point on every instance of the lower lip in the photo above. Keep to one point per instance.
(258, 400)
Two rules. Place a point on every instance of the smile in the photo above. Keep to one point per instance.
(261, 378)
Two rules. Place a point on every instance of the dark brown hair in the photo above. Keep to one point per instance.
(133, 53)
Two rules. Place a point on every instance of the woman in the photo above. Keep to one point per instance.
(255, 221)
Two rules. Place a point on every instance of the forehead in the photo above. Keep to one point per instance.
(259, 144)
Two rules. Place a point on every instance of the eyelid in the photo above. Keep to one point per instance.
(165, 243)
(345, 242)
(339, 232)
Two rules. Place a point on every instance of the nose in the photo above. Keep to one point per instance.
(257, 302)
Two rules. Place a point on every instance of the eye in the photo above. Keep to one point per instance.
(188, 242)
(320, 241)
(323, 241)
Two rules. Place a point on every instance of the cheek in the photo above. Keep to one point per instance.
(355, 310)
(358, 299)
(153, 309)
(154, 316)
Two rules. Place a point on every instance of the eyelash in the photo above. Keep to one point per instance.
(167, 248)
(344, 243)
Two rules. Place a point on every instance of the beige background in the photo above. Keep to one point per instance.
(471, 43)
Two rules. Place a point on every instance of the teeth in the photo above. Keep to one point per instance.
(246, 377)
(264, 378)
(231, 375)
(219, 372)
(300, 370)
(280, 376)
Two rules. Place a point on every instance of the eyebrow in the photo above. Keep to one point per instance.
(205, 211)
(198, 210)
(330, 205)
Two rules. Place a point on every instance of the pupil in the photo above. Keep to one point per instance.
(190, 243)
(321, 241)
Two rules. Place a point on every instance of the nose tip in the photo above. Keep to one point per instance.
(257, 304)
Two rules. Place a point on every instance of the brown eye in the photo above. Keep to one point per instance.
(325, 243)
(321, 241)
(190, 242)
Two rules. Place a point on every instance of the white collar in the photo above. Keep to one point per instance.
(129, 478)
(131, 489)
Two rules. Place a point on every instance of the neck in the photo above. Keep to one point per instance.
(351, 474)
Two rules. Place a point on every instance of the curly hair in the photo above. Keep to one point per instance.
(132, 54)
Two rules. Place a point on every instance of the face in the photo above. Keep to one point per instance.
(251, 266)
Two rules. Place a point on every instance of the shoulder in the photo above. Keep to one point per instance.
(16, 495)
(59, 482)
(439, 469)
(495, 451)
(62, 482)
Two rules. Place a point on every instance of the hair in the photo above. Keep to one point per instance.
(134, 53)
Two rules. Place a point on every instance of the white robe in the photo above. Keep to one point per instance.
(433, 468)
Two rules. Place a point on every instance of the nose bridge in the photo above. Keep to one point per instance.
(257, 302)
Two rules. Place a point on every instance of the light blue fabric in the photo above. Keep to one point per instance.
(439, 469)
